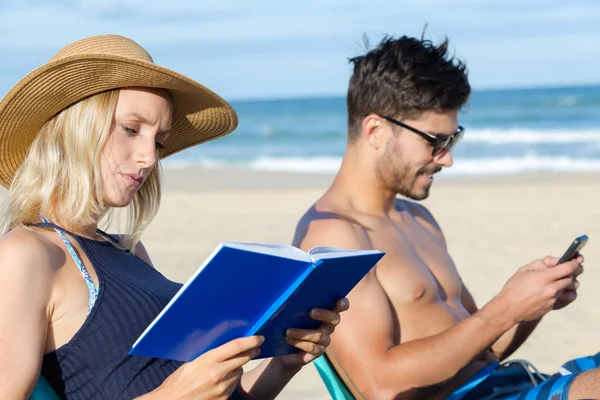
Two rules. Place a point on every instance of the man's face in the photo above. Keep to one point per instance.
(407, 165)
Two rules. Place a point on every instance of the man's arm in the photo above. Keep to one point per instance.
(25, 276)
(365, 343)
(512, 339)
(365, 346)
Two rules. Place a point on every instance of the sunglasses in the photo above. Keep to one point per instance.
(439, 143)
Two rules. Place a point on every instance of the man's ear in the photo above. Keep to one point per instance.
(372, 131)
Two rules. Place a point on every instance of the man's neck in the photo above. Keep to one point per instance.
(363, 188)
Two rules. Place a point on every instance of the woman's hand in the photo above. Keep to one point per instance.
(214, 375)
(312, 343)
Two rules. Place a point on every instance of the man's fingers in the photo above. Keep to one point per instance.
(578, 271)
(550, 261)
(562, 270)
(561, 284)
(235, 347)
(573, 286)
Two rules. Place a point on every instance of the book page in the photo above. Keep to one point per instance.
(279, 250)
(323, 252)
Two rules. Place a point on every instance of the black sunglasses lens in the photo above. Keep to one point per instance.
(456, 138)
(443, 144)
(447, 143)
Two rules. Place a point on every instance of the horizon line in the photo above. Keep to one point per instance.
(316, 96)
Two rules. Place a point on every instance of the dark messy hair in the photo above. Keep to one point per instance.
(404, 77)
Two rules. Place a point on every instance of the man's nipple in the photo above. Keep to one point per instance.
(418, 292)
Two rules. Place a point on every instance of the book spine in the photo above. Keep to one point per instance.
(276, 305)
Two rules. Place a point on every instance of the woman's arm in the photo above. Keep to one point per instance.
(25, 290)
(269, 378)
(266, 380)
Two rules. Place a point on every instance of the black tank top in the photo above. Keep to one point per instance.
(95, 364)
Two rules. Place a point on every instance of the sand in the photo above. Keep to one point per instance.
(492, 226)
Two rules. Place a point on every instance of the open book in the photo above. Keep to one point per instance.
(245, 289)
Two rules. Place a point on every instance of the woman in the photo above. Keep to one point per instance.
(80, 136)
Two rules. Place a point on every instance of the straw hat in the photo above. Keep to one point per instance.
(97, 64)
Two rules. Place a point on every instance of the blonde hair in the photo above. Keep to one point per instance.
(61, 175)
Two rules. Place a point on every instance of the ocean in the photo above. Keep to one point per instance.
(506, 132)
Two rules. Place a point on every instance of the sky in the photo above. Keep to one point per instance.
(279, 49)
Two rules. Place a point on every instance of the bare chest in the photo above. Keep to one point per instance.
(417, 267)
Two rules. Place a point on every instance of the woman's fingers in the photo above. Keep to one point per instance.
(240, 360)
(327, 316)
(342, 305)
(308, 347)
(309, 335)
(233, 348)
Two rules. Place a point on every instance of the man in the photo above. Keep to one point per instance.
(413, 330)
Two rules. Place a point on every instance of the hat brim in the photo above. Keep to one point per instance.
(199, 114)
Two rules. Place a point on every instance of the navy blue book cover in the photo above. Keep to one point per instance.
(245, 289)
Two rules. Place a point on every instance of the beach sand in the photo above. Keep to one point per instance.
(492, 226)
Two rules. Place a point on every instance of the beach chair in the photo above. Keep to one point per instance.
(335, 386)
(43, 391)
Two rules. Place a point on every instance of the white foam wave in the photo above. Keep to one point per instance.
(462, 166)
(297, 164)
(175, 163)
(528, 163)
(506, 136)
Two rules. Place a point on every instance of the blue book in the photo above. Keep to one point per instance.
(246, 289)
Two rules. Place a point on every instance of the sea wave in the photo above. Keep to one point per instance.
(462, 166)
(527, 163)
(514, 136)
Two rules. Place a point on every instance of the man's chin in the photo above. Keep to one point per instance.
(418, 194)
(418, 197)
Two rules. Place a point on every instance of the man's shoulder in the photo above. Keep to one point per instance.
(422, 215)
(323, 225)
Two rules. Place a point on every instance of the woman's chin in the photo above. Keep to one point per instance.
(119, 203)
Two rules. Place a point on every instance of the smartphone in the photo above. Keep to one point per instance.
(573, 249)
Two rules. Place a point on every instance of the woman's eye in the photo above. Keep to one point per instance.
(129, 130)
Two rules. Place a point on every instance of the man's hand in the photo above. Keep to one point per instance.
(536, 288)
(570, 293)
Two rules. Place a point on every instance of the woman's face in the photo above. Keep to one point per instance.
(141, 125)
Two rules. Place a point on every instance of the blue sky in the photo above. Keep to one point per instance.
(272, 49)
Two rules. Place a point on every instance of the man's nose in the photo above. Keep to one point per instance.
(444, 158)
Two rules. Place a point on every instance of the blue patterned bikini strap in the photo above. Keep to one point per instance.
(86, 276)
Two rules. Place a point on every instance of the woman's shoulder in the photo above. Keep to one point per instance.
(23, 250)
(141, 252)
(138, 250)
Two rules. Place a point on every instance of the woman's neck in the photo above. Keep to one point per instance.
(89, 230)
